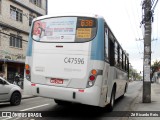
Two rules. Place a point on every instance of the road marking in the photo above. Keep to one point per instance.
(34, 107)
(11, 118)
(17, 118)
(7, 118)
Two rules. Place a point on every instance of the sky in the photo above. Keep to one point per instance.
(123, 17)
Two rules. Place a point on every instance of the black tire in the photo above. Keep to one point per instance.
(112, 100)
(125, 90)
(60, 102)
(15, 98)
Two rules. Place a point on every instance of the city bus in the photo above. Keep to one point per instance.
(75, 59)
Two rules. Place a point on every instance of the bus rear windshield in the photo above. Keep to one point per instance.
(64, 29)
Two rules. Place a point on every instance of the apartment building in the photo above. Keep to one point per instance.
(15, 22)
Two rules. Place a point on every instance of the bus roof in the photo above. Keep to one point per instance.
(59, 15)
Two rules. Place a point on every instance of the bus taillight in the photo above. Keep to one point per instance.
(92, 78)
(94, 72)
(27, 68)
(27, 72)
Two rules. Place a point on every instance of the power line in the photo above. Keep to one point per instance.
(152, 2)
(135, 22)
(137, 44)
(134, 29)
(130, 20)
(154, 5)
(155, 45)
(138, 15)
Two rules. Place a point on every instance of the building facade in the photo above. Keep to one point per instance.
(15, 23)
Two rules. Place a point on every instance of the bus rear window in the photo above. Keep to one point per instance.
(64, 29)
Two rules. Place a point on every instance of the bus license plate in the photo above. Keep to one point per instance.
(56, 81)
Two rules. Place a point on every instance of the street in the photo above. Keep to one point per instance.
(74, 110)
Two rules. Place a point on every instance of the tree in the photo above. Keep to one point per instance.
(155, 67)
(134, 75)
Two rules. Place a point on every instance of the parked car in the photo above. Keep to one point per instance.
(10, 92)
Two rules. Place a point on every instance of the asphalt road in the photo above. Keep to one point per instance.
(45, 107)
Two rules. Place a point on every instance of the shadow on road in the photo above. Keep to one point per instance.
(4, 104)
(80, 111)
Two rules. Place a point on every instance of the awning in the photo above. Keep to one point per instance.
(11, 61)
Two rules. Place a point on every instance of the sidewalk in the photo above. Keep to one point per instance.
(151, 108)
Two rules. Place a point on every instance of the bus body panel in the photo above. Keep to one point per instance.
(118, 77)
(67, 63)
(90, 96)
(59, 92)
(27, 84)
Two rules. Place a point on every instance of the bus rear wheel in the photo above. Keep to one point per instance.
(112, 101)
(125, 90)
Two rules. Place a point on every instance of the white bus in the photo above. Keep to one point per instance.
(75, 59)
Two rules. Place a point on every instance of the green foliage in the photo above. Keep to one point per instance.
(155, 67)
(134, 75)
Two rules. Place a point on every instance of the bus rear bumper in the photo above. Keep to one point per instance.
(89, 96)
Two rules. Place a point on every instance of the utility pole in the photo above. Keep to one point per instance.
(147, 51)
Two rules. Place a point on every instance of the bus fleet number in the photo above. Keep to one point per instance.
(74, 60)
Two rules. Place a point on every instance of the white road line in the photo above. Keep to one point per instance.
(34, 107)
(11, 118)
(7, 118)
(17, 118)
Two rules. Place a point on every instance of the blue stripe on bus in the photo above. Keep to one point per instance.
(29, 47)
(97, 47)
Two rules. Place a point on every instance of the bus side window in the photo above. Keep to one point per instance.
(111, 49)
(127, 66)
(106, 45)
(116, 54)
(124, 64)
(120, 58)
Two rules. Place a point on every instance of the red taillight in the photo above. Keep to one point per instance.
(81, 90)
(33, 84)
(92, 77)
(27, 72)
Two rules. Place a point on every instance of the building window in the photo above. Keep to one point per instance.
(31, 17)
(36, 2)
(16, 14)
(15, 41)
